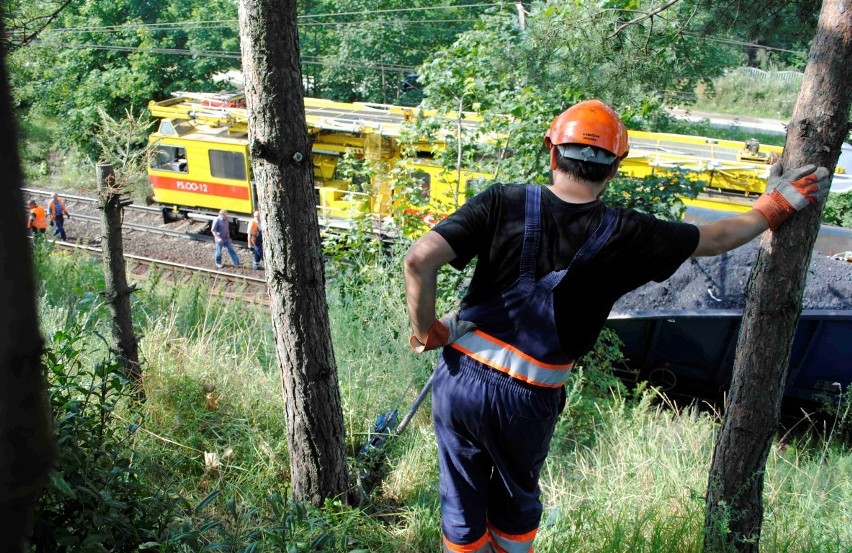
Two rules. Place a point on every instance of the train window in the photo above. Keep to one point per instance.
(169, 158)
(425, 183)
(227, 165)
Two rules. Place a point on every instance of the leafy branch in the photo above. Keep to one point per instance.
(50, 18)
(644, 16)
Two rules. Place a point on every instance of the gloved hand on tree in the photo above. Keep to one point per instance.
(791, 191)
(443, 331)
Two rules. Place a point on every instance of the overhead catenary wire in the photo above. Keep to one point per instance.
(182, 24)
(232, 24)
(311, 60)
(228, 23)
(399, 10)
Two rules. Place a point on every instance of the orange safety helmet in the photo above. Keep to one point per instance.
(589, 123)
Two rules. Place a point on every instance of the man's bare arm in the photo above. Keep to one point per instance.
(422, 262)
(730, 233)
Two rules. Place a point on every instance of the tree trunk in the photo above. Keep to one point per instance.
(124, 343)
(27, 448)
(283, 172)
(818, 127)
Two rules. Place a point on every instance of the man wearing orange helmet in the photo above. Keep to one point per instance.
(552, 261)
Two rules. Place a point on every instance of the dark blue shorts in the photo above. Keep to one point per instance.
(493, 436)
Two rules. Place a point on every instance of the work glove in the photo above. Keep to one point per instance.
(443, 331)
(791, 192)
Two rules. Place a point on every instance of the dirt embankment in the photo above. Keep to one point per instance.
(719, 283)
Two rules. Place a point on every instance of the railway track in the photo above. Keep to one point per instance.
(140, 227)
(88, 200)
(224, 284)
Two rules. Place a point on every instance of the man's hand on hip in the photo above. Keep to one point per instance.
(443, 331)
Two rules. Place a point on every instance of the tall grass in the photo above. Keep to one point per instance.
(626, 474)
(738, 93)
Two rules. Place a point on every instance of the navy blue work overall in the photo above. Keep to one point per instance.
(497, 393)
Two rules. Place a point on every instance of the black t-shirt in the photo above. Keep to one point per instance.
(490, 226)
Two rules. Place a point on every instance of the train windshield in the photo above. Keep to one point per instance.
(169, 158)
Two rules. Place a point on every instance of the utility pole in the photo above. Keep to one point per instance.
(117, 292)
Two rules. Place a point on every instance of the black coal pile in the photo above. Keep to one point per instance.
(719, 283)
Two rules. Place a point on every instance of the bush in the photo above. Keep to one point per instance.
(657, 195)
(96, 500)
(838, 210)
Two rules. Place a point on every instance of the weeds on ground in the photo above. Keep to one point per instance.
(741, 94)
(625, 474)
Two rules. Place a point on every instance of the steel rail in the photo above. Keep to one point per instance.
(154, 230)
(87, 199)
(167, 264)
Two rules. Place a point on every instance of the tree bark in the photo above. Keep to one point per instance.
(818, 127)
(124, 343)
(283, 172)
(27, 448)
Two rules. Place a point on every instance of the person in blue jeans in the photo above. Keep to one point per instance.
(58, 213)
(221, 231)
(255, 240)
(551, 262)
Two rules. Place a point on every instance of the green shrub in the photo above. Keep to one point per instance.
(657, 195)
(838, 210)
(96, 499)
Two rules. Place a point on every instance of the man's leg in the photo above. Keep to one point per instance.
(463, 465)
(520, 447)
(60, 228)
(218, 257)
(234, 257)
(258, 255)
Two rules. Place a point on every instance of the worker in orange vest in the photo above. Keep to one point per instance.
(58, 213)
(552, 261)
(255, 240)
(37, 221)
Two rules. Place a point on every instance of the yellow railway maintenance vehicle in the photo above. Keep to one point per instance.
(199, 160)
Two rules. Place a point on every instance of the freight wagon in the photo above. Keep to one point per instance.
(691, 353)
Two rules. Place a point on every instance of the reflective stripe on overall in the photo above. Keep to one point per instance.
(516, 331)
(494, 426)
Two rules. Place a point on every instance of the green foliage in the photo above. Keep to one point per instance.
(108, 60)
(657, 195)
(124, 143)
(838, 210)
(739, 93)
(787, 28)
(366, 52)
(96, 500)
(594, 382)
(502, 69)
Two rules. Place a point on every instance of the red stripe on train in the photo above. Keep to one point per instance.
(199, 187)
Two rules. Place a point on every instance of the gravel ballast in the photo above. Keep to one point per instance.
(719, 283)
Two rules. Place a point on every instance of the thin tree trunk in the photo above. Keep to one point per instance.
(27, 448)
(124, 342)
(283, 172)
(818, 127)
